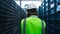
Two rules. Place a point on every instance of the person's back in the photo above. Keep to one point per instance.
(33, 25)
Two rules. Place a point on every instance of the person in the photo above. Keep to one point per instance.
(33, 23)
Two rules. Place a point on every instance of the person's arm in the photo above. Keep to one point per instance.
(44, 27)
(44, 24)
(22, 26)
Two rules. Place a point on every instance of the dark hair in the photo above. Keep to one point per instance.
(32, 12)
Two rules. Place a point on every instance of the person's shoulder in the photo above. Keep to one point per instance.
(24, 18)
(39, 18)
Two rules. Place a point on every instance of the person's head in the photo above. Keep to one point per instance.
(31, 10)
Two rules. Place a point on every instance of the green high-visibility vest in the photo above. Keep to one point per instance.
(33, 25)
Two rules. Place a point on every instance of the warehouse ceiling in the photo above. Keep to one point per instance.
(29, 0)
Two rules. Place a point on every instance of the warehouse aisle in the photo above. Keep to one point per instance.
(12, 12)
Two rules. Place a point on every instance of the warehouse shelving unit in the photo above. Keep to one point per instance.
(10, 14)
(51, 15)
